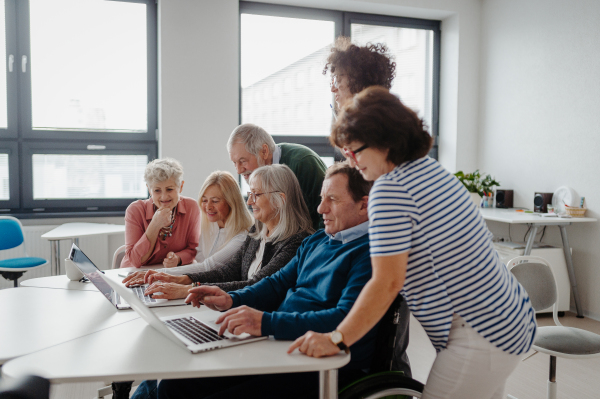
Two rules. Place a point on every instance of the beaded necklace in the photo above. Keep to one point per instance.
(167, 231)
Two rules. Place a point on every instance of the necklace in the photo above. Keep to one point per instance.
(167, 231)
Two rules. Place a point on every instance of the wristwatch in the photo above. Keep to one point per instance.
(338, 339)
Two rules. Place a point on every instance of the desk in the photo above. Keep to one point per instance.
(535, 221)
(38, 318)
(121, 353)
(72, 231)
(63, 282)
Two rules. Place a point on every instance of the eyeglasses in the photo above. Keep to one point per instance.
(252, 197)
(335, 81)
(352, 154)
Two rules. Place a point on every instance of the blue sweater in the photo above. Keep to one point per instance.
(314, 291)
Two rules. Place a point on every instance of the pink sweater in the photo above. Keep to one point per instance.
(185, 238)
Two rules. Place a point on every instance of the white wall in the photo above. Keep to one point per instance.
(540, 113)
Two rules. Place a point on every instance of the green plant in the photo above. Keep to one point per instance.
(475, 183)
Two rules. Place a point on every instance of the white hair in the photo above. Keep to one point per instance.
(253, 137)
(161, 170)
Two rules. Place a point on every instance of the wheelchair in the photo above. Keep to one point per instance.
(389, 375)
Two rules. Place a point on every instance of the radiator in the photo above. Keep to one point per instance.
(95, 247)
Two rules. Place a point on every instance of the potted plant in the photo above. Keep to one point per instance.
(476, 184)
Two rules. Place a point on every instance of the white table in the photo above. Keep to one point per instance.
(72, 231)
(63, 282)
(535, 221)
(134, 350)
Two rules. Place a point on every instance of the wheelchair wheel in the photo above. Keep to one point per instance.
(388, 384)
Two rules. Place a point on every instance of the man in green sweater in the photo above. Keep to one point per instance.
(250, 147)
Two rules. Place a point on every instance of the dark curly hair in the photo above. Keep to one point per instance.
(370, 65)
(378, 118)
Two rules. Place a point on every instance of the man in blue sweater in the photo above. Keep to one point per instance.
(314, 291)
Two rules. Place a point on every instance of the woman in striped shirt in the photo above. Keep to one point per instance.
(428, 241)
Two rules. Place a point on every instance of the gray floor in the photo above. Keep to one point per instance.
(576, 378)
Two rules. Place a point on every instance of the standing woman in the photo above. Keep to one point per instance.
(428, 241)
(166, 227)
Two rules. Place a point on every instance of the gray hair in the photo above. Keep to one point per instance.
(253, 137)
(292, 211)
(161, 170)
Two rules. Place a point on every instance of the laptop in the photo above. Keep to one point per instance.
(187, 330)
(91, 271)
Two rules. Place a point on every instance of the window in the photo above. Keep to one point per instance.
(78, 113)
(286, 48)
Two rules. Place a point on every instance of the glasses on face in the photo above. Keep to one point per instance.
(352, 154)
(252, 196)
(335, 81)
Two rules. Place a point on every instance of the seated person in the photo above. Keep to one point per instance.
(166, 227)
(224, 223)
(315, 291)
(281, 223)
(250, 147)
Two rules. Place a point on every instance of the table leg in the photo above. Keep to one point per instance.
(55, 257)
(571, 270)
(328, 384)
(531, 240)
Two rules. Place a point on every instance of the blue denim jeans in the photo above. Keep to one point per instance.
(146, 390)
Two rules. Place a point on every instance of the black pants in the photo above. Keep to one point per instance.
(289, 385)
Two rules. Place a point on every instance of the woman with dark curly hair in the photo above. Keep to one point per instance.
(355, 68)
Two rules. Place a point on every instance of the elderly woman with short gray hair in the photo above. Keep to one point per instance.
(281, 223)
(165, 228)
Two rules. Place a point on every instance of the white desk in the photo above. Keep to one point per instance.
(72, 231)
(63, 282)
(535, 221)
(36, 318)
(134, 350)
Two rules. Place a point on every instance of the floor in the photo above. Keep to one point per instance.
(576, 378)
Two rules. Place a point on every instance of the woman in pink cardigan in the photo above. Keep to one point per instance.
(166, 227)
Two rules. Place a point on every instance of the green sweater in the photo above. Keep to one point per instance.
(310, 171)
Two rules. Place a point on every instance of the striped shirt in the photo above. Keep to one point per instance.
(422, 209)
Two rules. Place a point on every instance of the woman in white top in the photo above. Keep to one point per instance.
(224, 222)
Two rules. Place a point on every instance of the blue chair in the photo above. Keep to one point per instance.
(11, 236)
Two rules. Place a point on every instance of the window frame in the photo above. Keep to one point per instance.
(23, 141)
(343, 21)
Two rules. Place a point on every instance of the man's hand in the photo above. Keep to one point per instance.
(315, 345)
(241, 320)
(169, 290)
(172, 260)
(153, 276)
(211, 296)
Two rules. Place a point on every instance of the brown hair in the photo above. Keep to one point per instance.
(364, 66)
(357, 185)
(379, 119)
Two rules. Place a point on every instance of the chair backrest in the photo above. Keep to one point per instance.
(118, 257)
(536, 276)
(11, 232)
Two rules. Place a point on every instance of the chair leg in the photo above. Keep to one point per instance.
(552, 379)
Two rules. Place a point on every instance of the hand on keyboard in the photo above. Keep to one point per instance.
(164, 290)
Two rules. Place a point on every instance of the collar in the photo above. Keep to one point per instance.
(276, 155)
(345, 236)
(150, 207)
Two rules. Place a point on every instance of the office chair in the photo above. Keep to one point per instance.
(389, 367)
(11, 236)
(536, 276)
(118, 257)
(28, 387)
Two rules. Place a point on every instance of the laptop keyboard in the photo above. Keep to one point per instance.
(194, 330)
(139, 291)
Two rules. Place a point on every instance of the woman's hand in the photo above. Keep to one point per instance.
(172, 260)
(315, 345)
(135, 278)
(169, 290)
(211, 296)
(153, 276)
(161, 218)
(241, 320)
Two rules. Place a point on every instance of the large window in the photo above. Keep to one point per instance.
(284, 51)
(78, 106)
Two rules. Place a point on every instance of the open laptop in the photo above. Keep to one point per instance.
(187, 329)
(91, 271)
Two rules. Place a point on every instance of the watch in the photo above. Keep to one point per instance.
(338, 339)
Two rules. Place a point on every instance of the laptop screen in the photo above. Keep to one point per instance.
(90, 270)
